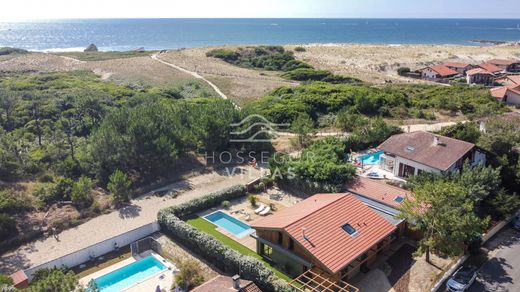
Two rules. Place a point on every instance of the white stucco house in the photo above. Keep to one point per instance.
(410, 154)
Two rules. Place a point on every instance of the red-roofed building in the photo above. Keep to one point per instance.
(491, 68)
(480, 76)
(458, 66)
(509, 80)
(335, 233)
(509, 94)
(437, 72)
(506, 65)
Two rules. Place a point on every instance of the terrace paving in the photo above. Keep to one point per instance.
(142, 210)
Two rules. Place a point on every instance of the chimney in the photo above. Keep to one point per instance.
(303, 233)
(482, 126)
(435, 140)
(236, 282)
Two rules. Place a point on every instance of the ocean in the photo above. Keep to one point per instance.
(153, 34)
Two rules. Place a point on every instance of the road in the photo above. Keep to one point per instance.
(502, 271)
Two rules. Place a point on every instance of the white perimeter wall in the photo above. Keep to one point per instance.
(98, 249)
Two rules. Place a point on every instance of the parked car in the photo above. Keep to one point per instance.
(516, 222)
(462, 279)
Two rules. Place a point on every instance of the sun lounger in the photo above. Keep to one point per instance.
(265, 211)
(260, 209)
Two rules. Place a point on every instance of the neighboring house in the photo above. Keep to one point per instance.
(508, 80)
(437, 72)
(509, 94)
(491, 68)
(336, 235)
(461, 68)
(410, 154)
(506, 65)
(480, 76)
(223, 283)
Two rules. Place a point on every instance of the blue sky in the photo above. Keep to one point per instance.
(43, 9)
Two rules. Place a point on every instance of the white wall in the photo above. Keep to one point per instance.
(96, 250)
(428, 73)
(409, 162)
(512, 98)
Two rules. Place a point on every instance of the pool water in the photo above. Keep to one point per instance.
(370, 159)
(129, 275)
(229, 223)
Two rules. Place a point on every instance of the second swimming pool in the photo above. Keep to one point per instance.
(229, 223)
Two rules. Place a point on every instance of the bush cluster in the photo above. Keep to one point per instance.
(225, 258)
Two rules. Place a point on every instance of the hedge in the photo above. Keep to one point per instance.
(208, 247)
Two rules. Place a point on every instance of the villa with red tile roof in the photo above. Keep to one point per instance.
(491, 68)
(335, 234)
(506, 65)
(410, 154)
(480, 76)
(437, 72)
(458, 66)
(509, 94)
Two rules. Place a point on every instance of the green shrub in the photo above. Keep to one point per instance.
(189, 276)
(11, 202)
(56, 280)
(7, 226)
(403, 70)
(252, 199)
(225, 204)
(9, 51)
(5, 280)
(307, 74)
(226, 55)
(300, 49)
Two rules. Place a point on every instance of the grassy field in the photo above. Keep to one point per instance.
(103, 56)
(210, 229)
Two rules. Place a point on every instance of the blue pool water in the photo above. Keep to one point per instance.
(129, 275)
(229, 223)
(370, 159)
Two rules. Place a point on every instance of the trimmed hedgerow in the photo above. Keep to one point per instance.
(214, 251)
(208, 201)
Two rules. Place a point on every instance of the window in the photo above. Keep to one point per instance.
(399, 199)
(267, 251)
(349, 229)
(280, 238)
(291, 244)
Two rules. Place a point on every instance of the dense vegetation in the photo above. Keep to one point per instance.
(323, 101)
(276, 58)
(459, 207)
(10, 51)
(321, 167)
(55, 279)
(501, 139)
(71, 132)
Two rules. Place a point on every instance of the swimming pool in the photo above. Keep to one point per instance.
(370, 159)
(229, 223)
(129, 275)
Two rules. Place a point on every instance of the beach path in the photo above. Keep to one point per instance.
(141, 211)
(192, 73)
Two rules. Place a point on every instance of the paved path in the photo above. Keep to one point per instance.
(142, 211)
(192, 73)
(502, 271)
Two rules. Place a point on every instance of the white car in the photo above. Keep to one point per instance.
(462, 279)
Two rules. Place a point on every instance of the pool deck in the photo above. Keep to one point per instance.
(164, 278)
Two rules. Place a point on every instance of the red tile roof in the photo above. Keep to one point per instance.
(478, 71)
(502, 62)
(419, 147)
(443, 70)
(326, 240)
(511, 79)
(500, 92)
(456, 65)
(490, 67)
(224, 283)
(378, 191)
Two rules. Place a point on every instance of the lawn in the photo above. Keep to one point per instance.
(205, 226)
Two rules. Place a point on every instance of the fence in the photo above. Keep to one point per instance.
(147, 243)
(96, 250)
